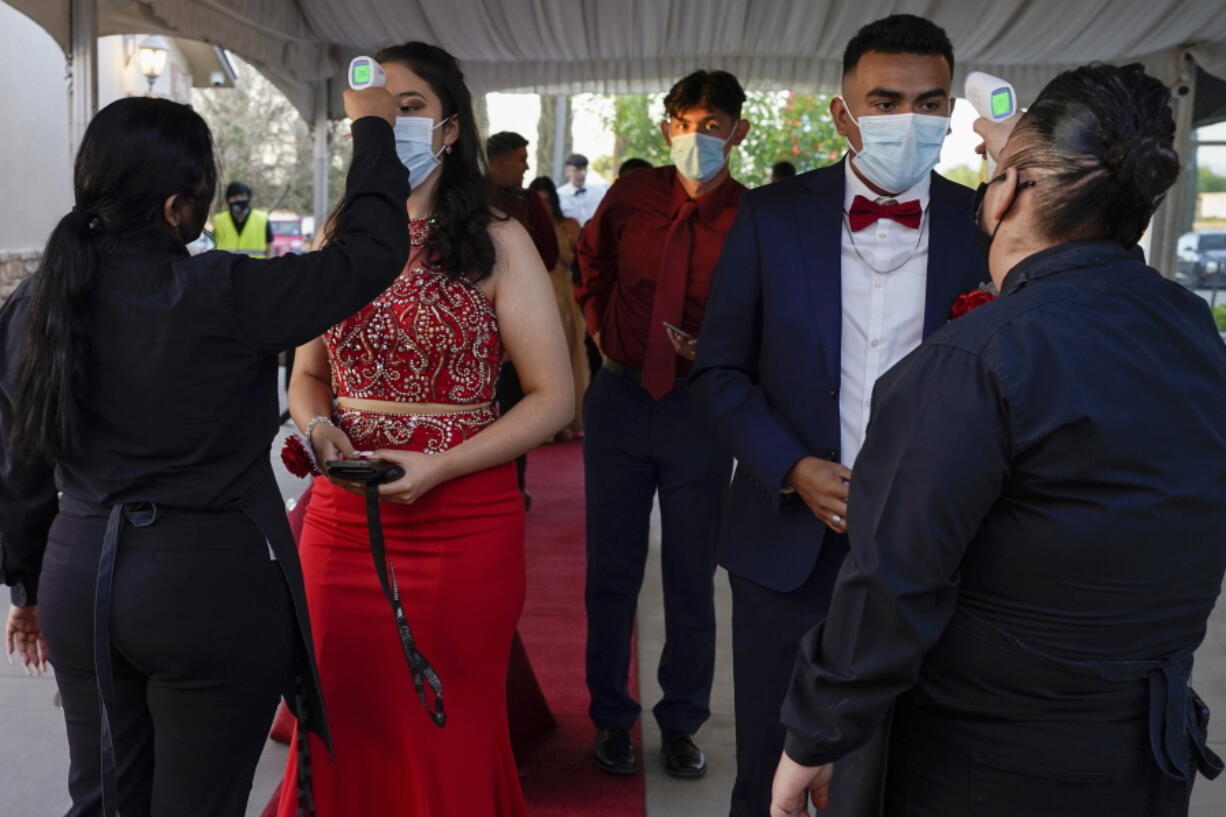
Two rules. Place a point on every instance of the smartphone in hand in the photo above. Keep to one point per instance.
(677, 330)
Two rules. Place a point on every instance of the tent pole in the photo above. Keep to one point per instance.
(321, 157)
(561, 107)
(83, 69)
(1171, 218)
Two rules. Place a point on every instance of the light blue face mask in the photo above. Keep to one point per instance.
(898, 149)
(698, 157)
(415, 146)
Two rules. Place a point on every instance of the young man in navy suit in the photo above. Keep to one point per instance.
(826, 280)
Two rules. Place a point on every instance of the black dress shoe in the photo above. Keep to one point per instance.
(682, 757)
(614, 752)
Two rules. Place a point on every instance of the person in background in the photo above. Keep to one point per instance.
(239, 228)
(140, 523)
(579, 199)
(564, 292)
(826, 281)
(632, 165)
(782, 170)
(646, 259)
(507, 154)
(1037, 515)
(411, 377)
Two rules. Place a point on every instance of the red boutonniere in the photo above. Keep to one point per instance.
(969, 301)
(298, 458)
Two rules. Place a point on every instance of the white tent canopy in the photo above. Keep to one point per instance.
(616, 46)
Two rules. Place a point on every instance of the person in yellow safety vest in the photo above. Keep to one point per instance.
(239, 228)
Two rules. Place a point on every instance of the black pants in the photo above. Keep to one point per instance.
(202, 635)
(767, 626)
(946, 766)
(634, 447)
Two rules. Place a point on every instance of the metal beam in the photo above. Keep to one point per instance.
(82, 69)
(1170, 219)
(322, 158)
(561, 108)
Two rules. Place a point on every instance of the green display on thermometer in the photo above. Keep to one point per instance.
(361, 73)
(1002, 102)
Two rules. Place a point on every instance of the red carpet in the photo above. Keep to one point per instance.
(561, 779)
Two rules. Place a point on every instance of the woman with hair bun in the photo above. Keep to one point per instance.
(411, 377)
(1036, 516)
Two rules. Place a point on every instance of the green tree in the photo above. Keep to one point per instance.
(964, 175)
(635, 131)
(1210, 182)
(261, 141)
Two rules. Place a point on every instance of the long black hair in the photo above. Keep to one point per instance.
(555, 204)
(460, 244)
(1105, 136)
(136, 153)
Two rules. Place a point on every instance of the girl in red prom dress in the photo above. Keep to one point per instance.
(412, 376)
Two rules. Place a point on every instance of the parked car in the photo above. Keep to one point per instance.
(1202, 259)
(287, 235)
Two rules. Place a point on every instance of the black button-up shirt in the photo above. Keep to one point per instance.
(182, 403)
(1053, 465)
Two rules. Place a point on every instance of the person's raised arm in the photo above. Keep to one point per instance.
(284, 302)
(532, 336)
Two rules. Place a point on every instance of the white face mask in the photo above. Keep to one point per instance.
(898, 149)
(698, 156)
(415, 146)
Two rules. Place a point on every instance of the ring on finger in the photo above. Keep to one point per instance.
(836, 520)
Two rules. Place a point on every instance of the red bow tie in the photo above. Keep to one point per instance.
(864, 213)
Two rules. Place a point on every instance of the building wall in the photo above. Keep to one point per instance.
(35, 158)
(35, 166)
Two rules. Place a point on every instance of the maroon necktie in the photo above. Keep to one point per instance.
(660, 362)
(864, 212)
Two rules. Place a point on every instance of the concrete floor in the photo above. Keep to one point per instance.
(33, 749)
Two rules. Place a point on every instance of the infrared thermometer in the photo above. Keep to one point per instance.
(365, 73)
(992, 98)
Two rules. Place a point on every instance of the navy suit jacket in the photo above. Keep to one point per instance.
(769, 358)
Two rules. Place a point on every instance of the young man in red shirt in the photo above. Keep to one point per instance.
(646, 259)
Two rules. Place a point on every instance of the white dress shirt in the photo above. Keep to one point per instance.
(883, 304)
(581, 203)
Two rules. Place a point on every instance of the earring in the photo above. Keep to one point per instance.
(448, 149)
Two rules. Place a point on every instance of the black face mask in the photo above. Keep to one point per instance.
(983, 238)
(191, 229)
(240, 208)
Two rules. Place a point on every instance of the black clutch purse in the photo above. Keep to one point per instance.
(366, 471)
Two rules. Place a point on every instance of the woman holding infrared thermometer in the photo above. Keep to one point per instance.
(410, 377)
(139, 383)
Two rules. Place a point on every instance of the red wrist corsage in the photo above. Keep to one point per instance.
(298, 458)
(969, 301)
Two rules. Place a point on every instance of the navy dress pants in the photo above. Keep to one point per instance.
(202, 636)
(635, 447)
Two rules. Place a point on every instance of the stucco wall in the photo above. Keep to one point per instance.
(35, 166)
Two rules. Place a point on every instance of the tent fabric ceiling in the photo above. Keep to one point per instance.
(556, 46)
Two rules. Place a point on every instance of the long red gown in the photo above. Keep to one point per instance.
(458, 553)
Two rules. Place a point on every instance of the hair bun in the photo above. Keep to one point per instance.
(1146, 163)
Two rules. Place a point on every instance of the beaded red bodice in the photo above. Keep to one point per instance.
(427, 339)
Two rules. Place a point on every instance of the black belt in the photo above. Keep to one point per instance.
(1178, 718)
(632, 374)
